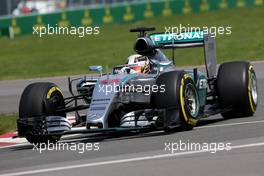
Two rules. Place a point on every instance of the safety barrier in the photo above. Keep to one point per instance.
(122, 13)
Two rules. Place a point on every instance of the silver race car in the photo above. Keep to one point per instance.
(146, 93)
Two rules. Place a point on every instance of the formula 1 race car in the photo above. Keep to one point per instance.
(145, 94)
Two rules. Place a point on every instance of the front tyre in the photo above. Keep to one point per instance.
(39, 100)
(237, 89)
(180, 100)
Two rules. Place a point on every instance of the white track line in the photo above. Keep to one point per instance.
(230, 124)
(199, 127)
(121, 161)
(15, 141)
(15, 145)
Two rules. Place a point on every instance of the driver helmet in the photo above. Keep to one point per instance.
(138, 63)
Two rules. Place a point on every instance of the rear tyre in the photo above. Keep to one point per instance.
(180, 93)
(37, 100)
(237, 89)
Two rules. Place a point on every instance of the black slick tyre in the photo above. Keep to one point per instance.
(37, 100)
(237, 89)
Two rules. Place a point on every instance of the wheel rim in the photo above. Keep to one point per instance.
(253, 87)
(191, 100)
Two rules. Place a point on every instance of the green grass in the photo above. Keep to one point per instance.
(7, 123)
(30, 56)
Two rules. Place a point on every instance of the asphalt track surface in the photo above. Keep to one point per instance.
(145, 154)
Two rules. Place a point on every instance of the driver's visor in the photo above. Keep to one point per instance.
(136, 68)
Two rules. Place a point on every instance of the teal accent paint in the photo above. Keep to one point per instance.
(173, 38)
(128, 77)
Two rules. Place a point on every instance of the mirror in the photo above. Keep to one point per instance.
(98, 68)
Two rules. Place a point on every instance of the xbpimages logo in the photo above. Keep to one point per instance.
(61, 30)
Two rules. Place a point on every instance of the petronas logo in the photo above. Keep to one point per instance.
(204, 5)
(108, 18)
(223, 4)
(241, 3)
(64, 22)
(148, 13)
(166, 11)
(258, 2)
(128, 16)
(86, 20)
(186, 7)
(39, 20)
(40, 25)
(15, 27)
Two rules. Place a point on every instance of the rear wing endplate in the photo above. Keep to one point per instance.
(190, 39)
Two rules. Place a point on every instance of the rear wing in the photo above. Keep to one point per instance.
(190, 39)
